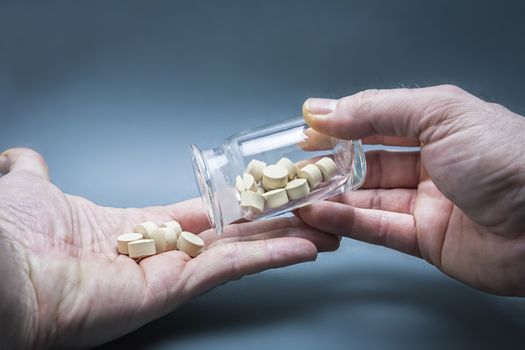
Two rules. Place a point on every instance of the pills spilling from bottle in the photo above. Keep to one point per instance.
(271, 186)
(148, 239)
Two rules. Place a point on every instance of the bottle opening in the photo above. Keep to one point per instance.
(206, 189)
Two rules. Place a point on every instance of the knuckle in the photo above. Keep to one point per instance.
(451, 89)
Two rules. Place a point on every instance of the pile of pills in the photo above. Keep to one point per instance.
(265, 186)
(148, 239)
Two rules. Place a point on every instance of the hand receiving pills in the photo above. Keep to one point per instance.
(67, 277)
(459, 203)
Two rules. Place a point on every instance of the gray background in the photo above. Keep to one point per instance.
(112, 93)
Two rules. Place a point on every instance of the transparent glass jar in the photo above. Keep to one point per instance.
(216, 169)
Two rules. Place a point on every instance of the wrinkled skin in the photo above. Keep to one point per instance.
(65, 286)
(459, 202)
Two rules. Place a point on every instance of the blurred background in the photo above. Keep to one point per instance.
(112, 93)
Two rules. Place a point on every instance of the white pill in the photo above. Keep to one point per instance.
(255, 168)
(165, 239)
(174, 225)
(239, 184)
(276, 198)
(141, 248)
(124, 239)
(274, 176)
(249, 182)
(312, 174)
(146, 228)
(328, 168)
(290, 166)
(190, 243)
(297, 189)
(252, 201)
(260, 190)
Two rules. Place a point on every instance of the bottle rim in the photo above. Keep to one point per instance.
(206, 189)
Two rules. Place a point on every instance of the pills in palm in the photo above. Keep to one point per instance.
(190, 243)
(174, 225)
(141, 248)
(145, 228)
(124, 239)
(160, 239)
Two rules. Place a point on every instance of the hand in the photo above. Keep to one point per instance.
(64, 285)
(459, 203)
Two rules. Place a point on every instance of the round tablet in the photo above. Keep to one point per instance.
(124, 239)
(274, 176)
(249, 182)
(312, 174)
(141, 248)
(165, 239)
(289, 165)
(276, 198)
(297, 189)
(328, 168)
(239, 184)
(190, 243)
(255, 168)
(252, 201)
(174, 225)
(146, 228)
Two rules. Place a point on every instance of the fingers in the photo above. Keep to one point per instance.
(389, 169)
(392, 230)
(16, 160)
(267, 229)
(230, 261)
(398, 112)
(396, 200)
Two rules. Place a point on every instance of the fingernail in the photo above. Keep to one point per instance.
(319, 106)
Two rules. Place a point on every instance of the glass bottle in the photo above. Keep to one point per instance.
(216, 169)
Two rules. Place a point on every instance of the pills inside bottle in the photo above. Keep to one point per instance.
(271, 170)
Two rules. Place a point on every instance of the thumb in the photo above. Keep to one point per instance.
(404, 113)
(16, 160)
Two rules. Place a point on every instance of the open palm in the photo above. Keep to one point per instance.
(65, 285)
(459, 202)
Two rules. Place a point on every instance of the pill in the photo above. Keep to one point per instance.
(249, 182)
(260, 190)
(289, 165)
(312, 174)
(141, 248)
(274, 176)
(255, 168)
(239, 184)
(297, 189)
(124, 239)
(276, 198)
(190, 243)
(146, 228)
(328, 168)
(174, 225)
(165, 239)
(252, 200)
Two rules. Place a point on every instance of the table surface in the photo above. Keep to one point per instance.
(112, 95)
